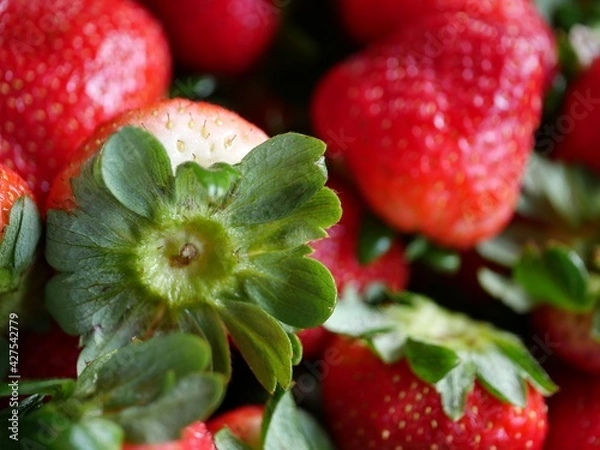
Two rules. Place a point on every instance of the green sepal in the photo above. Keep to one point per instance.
(556, 275)
(262, 342)
(216, 181)
(440, 259)
(94, 434)
(225, 440)
(374, 240)
(285, 426)
(145, 392)
(19, 242)
(136, 190)
(446, 349)
(57, 388)
(275, 181)
(507, 290)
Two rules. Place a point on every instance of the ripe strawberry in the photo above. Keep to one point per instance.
(574, 414)
(20, 232)
(339, 252)
(191, 131)
(220, 36)
(192, 221)
(48, 354)
(436, 135)
(193, 437)
(571, 336)
(244, 423)
(65, 67)
(430, 379)
(574, 138)
(368, 21)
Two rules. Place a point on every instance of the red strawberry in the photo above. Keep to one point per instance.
(12, 187)
(183, 216)
(65, 67)
(436, 125)
(571, 337)
(574, 414)
(178, 124)
(244, 423)
(222, 36)
(430, 379)
(193, 437)
(48, 354)
(339, 252)
(574, 137)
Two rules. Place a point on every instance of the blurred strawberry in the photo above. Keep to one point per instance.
(65, 67)
(435, 135)
(219, 36)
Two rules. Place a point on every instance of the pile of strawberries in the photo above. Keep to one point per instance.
(267, 224)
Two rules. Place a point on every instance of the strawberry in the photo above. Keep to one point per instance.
(423, 377)
(428, 154)
(574, 414)
(193, 437)
(573, 137)
(177, 123)
(367, 21)
(339, 251)
(550, 251)
(219, 36)
(572, 335)
(190, 222)
(244, 423)
(65, 67)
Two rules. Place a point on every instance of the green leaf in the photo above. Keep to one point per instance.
(438, 258)
(548, 7)
(513, 349)
(20, 239)
(500, 376)
(307, 223)
(313, 432)
(136, 169)
(278, 176)
(205, 321)
(225, 440)
(555, 275)
(57, 388)
(430, 362)
(129, 375)
(91, 434)
(262, 341)
(193, 397)
(374, 240)
(281, 425)
(454, 389)
(507, 290)
(297, 290)
(217, 180)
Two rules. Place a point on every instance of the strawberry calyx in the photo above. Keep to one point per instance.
(211, 251)
(551, 250)
(145, 392)
(20, 239)
(445, 349)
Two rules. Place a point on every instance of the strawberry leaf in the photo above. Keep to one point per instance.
(144, 392)
(225, 440)
(429, 362)
(440, 259)
(507, 290)
(253, 331)
(20, 239)
(455, 387)
(150, 251)
(374, 240)
(557, 275)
